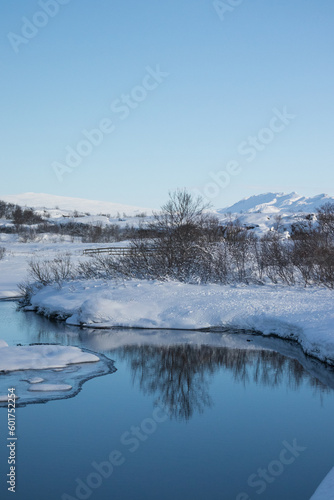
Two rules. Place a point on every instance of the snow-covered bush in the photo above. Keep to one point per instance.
(45, 272)
(276, 259)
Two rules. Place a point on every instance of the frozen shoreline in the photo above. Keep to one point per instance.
(303, 315)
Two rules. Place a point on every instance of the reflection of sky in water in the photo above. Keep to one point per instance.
(229, 412)
(253, 357)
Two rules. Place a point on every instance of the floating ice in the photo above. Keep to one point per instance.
(34, 371)
(50, 387)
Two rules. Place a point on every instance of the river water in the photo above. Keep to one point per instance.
(176, 420)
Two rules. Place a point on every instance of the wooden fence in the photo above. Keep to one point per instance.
(119, 251)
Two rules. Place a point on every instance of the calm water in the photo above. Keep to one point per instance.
(187, 422)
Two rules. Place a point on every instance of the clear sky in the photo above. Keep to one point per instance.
(228, 99)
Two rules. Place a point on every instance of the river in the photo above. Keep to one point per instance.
(176, 420)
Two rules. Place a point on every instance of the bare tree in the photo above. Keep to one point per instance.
(182, 238)
(277, 258)
(325, 217)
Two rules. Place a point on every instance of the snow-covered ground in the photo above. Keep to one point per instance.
(303, 315)
(14, 265)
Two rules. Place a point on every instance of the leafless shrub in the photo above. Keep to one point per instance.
(101, 266)
(61, 268)
(26, 289)
(40, 271)
(313, 250)
(240, 252)
(325, 216)
(276, 258)
(46, 272)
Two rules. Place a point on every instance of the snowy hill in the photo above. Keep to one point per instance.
(259, 213)
(40, 201)
(278, 203)
(267, 203)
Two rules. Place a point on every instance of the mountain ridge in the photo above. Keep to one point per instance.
(275, 203)
(40, 201)
(266, 203)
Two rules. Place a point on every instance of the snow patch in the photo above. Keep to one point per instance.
(35, 380)
(326, 489)
(50, 387)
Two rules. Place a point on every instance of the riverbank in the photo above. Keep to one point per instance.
(303, 315)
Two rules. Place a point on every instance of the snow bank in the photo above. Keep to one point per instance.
(326, 489)
(303, 315)
(39, 357)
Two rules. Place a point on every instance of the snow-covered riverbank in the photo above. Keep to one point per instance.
(303, 315)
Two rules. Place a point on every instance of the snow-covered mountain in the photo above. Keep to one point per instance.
(267, 203)
(278, 203)
(40, 201)
(259, 213)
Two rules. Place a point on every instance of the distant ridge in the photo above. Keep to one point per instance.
(49, 201)
(275, 203)
(267, 203)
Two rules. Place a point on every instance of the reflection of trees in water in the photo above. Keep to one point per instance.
(179, 375)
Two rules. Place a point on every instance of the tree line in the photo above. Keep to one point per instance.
(29, 224)
(187, 243)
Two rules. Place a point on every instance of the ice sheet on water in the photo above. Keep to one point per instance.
(42, 385)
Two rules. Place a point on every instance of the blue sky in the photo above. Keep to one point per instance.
(186, 92)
